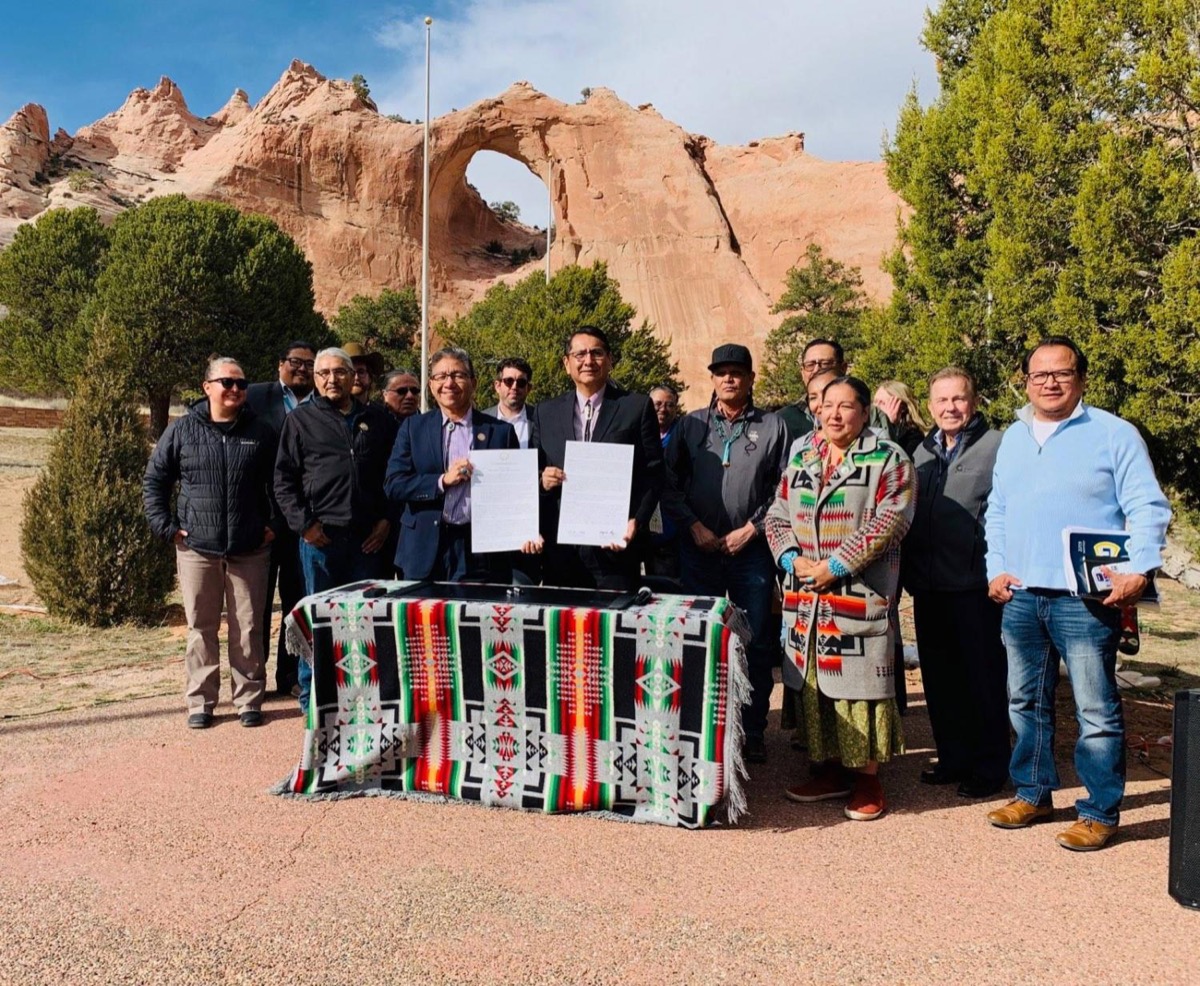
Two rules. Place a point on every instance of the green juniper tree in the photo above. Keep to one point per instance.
(1053, 188)
(86, 544)
(532, 319)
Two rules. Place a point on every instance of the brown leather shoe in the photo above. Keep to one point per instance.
(1018, 814)
(1086, 835)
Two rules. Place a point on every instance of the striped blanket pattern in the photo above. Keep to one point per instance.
(632, 713)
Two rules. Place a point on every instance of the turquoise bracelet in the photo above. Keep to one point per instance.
(836, 568)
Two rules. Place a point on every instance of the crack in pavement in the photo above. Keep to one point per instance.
(291, 861)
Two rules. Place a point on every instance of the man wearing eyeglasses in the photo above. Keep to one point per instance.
(368, 367)
(513, 380)
(401, 394)
(429, 472)
(822, 356)
(329, 482)
(273, 401)
(819, 356)
(723, 470)
(1066, 464)
(595, 410)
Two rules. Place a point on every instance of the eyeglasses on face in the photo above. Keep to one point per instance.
(818, 364)
(300, 364)
(663, 405)
(1039, 378)
(403, 390)
(338, 373)
(458, 376)
(229, 383)
(512, 382)
(361, 371)
(579, 355)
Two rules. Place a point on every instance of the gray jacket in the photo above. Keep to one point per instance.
(946, 550)
(700, 488)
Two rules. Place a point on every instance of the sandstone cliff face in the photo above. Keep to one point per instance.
(699, 235)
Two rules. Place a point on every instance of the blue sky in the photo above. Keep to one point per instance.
(733, 71)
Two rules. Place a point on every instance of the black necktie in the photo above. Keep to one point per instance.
(587, 420)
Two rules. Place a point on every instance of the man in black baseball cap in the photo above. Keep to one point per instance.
(731, 354)
(723, 467)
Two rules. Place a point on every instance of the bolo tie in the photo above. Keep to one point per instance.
(729, 437)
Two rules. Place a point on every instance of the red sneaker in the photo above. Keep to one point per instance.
(867, 801)
(830, 783)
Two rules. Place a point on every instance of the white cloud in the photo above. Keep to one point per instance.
(732, 71)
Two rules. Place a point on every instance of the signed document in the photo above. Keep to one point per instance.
(504, 499)
(595, 495)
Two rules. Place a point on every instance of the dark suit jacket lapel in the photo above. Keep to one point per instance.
(433, 438)
(481, 433)
(608, 410)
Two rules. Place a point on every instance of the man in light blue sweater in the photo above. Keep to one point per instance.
(1066, 464)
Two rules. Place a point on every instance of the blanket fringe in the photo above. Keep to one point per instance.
(284, 790)
(735, 735)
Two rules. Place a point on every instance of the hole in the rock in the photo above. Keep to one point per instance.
(514, 232)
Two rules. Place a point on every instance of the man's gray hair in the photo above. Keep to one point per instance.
(393, 374)
(337, 353)
(452, 352)
(216, 361)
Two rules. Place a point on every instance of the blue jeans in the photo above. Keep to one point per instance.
(1038, 626)
(748, 578)
(338, 563)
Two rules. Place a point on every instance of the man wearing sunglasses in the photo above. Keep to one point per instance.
(329, 482)
(513, 380)
(273, 401)
(221, 455)
(401, 394)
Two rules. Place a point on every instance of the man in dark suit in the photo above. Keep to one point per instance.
(430, 473)
(597, 410)
(272, 402)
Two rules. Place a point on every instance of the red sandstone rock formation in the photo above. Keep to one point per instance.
(699, 235)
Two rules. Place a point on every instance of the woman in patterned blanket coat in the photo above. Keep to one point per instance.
(843, 506)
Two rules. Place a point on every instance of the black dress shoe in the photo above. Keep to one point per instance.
(754, 750)
(940, 775)
(251, 717)
(978, 787)
(200, 720)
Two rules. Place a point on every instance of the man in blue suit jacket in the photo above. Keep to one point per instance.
(430, 473)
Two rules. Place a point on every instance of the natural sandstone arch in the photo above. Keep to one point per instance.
(699, 235)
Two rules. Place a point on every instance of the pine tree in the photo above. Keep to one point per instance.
(1053, 186)
(86, 544)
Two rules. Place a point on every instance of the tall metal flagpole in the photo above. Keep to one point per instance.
(425, 239)
(549, 211)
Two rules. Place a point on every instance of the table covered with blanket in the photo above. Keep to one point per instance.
(634, 713)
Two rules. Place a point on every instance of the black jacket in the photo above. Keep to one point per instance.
(224, 482)
(266, 399)
(945, 549)
(325, 473)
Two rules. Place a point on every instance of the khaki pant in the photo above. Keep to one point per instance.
(239, 585)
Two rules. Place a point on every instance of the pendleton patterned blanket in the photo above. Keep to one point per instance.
(636, 713)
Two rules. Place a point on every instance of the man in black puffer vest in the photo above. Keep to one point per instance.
(220, 453)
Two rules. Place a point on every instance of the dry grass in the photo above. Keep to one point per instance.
(49, 665)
